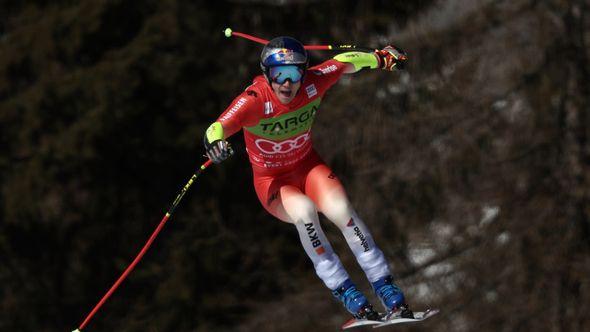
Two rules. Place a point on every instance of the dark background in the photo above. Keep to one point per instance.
(471, 168)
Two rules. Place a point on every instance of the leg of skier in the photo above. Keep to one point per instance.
(289, 204)
(301, 211)
(324, 188)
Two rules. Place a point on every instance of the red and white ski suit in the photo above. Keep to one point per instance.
(291, 180)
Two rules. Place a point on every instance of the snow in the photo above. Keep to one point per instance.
(503, 238)
(489, 215)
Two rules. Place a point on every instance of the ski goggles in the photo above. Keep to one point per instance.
(280, 74)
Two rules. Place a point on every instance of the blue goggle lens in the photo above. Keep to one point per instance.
(280, 74)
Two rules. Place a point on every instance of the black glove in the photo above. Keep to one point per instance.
(218, 150)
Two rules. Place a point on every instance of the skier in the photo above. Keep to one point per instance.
(291, 181)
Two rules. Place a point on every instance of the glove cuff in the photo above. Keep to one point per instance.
(213, 134)
(359, 60)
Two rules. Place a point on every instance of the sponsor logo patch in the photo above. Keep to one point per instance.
(271, 147)
(286, 125)
(314, 239)
(359, 234)
(328, 69)
(285, 54)
(311, 90)
(350, 223)
(234, 109)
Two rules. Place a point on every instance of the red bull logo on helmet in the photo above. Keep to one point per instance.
(284, 54)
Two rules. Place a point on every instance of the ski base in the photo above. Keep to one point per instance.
(418, 316)
(360, 322)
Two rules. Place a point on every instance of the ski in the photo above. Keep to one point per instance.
(385, 321)
(418, 316)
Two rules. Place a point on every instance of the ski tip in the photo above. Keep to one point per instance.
(348, 324)
(431, 312)
(76, 330)
(359, 322)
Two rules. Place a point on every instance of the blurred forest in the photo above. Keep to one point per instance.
(471, 168)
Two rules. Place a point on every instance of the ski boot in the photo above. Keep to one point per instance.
(354, 301)
(392, 298)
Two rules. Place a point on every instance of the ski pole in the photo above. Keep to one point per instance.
(341, 47)
(146, 246)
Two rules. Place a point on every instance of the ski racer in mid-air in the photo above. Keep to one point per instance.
(292, 182)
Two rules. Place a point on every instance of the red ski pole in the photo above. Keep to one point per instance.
(341, 47)
(145, 247)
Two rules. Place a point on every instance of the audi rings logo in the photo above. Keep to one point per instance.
(289, 145)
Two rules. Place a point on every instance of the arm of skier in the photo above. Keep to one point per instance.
(389, 58)
(229, 122)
